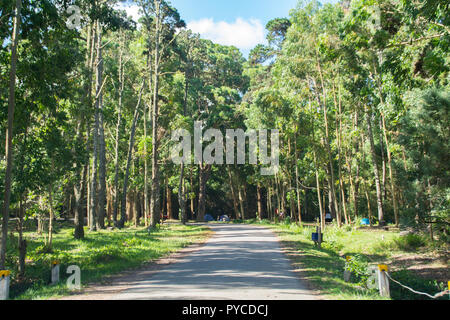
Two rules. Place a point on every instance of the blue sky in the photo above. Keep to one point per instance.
(231, 22)
(229, 10)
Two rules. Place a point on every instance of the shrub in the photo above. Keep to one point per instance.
(407, 278)
(359, 267)
(410, 242)
(287, 221)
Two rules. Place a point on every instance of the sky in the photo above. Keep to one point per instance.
(240, 23)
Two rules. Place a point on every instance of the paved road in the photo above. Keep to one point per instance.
(239, 262)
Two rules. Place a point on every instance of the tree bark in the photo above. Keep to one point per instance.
(205, 171)
(22, 242)
(95, 137)
(119, 121)
(51, 217)
(375, 169)
(9, 133)
(321, 208)
(259, 199)
(155, 193)
(391, 174)
(181, 187)
(79, 216)
(328, 148)
(146, 202)
(182, 196)
(233, 193)
(191, 180)
(101, 136)
(122, 221)
(297, 182)
(339, 143)
(169, 202)
(241, 202)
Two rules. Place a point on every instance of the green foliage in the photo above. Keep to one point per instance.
(358, 265)
(409, 279)
(410, 242)
(101, 254)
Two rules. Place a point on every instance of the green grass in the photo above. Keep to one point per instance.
(323, 268)
(100, 254)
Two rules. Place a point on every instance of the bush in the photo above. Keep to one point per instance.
(358, 265)
(410, 242)
(287, 221)
(331, 243)
(265, 221)
(407, 278)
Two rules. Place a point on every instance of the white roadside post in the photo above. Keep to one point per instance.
(4, 284)
(347, 273)
(55, 272)
(383, 281)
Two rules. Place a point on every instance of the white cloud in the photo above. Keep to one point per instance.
(243, 34)
(132, 10)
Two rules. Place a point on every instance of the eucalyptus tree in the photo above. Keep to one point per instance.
(162, 21)
(192, 54)
(9, 133)
(222, 85)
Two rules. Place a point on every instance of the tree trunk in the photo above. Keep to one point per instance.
(233, 193)
(79, 216)
(181, 188)
(89, 104)
(241, 203)
(121, 223)
(391, 174)
(9, 133)
(22, 243)
(205, 171)
(95, 201)
(383, 164)
(342, 200)
(328, 149)
(297, 182)
(182, 196)
(155, 196)
(51, 217)
(136, 209)
(169, 202)
(149, 115)
(119, 121)
(375, 170)
(321, 207)
(101, 137)
(369, 207)
(191, 177)
(259, 199)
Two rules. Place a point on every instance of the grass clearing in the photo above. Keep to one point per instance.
(100, 254)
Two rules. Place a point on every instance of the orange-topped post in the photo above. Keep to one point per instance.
(5, 276)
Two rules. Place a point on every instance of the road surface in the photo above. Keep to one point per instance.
(239, 262)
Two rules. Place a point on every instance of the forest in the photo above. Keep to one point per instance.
(358, 90)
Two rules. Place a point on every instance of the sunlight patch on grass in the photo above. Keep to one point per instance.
(100, 254)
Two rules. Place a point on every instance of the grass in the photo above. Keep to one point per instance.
(100, 254)
(323, 268)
